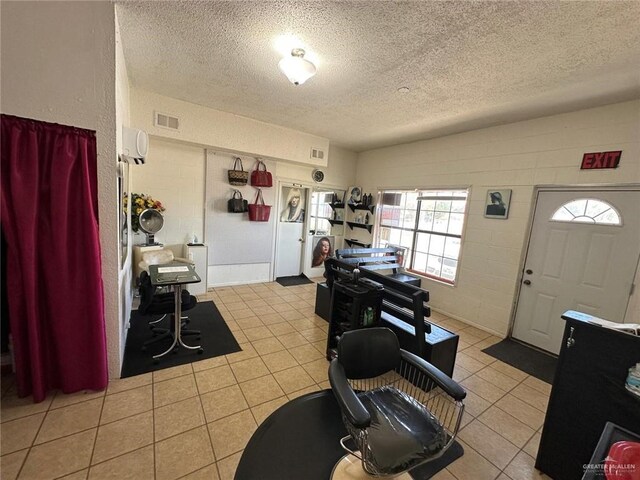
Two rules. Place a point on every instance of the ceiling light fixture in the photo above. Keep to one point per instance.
(296, 68)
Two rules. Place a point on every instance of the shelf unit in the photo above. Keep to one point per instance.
(353, 225)
(359, 206)
(336, 205)
(336, 222)
(356, 243)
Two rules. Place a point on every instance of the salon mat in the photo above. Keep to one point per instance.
(216, 339)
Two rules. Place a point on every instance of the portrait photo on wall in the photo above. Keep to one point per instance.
(354, 195)
(497, 203)
(322, 249)
(294, 201)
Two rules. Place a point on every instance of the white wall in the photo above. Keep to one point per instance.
(58, 65)
(544, 151)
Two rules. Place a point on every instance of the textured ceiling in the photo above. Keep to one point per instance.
(467, 64)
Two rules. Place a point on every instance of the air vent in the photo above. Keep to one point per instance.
(167, 121)
(317, 154)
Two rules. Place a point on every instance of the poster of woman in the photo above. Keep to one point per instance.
(497, 203)
(294, 205)
(322, 249)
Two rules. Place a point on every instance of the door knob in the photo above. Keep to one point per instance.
(527, 282)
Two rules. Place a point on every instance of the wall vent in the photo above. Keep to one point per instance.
(166, 121)
(317, 154)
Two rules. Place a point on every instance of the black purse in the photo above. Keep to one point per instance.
(237, 204)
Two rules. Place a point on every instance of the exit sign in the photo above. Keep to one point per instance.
(601, 160)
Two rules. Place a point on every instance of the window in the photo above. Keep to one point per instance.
(429, 225)
(321, 212)
(587, 210)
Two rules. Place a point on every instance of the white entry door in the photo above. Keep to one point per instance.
(582, 255)
(291, 227)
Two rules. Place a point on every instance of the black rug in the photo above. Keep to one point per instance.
(301, 440)
(216, 339)
(529, 360)
(294, 280)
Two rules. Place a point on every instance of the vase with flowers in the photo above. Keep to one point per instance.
(139, 203)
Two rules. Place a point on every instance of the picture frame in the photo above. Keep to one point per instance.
(320, 254)
(353, 196)
(497, 203)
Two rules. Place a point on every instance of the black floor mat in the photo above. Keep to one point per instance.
(294, 280)
(531, 361)
(216, 339)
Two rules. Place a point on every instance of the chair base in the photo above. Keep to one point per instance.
(350, 468)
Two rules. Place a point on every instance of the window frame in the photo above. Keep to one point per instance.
(426, 194)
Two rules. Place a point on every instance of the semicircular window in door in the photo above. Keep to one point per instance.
(587, 210)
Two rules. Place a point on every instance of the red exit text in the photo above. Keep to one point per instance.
(601, 160)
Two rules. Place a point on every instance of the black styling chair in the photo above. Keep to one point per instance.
(399, 410)
(163, 304)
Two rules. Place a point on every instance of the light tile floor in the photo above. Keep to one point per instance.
(193, 421)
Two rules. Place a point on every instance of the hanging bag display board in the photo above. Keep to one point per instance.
(260, 177)
(238, 177)
(237, 204)
(258, 211)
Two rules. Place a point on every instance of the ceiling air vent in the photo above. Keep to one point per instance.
(167, 121)
(317, 154)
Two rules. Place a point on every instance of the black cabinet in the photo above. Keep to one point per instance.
(588, 391)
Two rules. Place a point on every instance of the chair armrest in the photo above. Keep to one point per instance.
(348, 401)
(450, 386)
(183, 260)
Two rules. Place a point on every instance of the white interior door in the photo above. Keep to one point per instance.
(577, 262)
(291, 228)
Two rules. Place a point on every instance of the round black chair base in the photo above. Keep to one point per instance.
(350, 468)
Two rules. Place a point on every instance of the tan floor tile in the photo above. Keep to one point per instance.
(236, 306)
(136, 465)
(174, 390)
(293, 379)
(61, 456)
(476, 332)
(10, 464)
(231, 434)
(247, 352)
(209, 363)
(257, 333)
(125, 404)
(522, 468)
(268, 345)
(249, 322)
(261, 390)
(13, 407)
(67, 420)
(20, 433)
(123, 436)
(210, 472)
(173, 372)
(468, 337)
(509, 427)
(281, 307)
(302, 324)
(468, 363)
(497, 378)
(324, 385)
(214, 379)
(282, 328)
(479, 355)
(64, 400)
(223, 402)
(443, 475)
(292, 315)
(532, 445)
(527, 414)
(233, 325)
(177, 417)
(314, 334)
(481, 387)
(81, 475)
(472, 466)
(118, 385)
(460, 373)
(279, 361)
(531, 396)
(487, 342)
(242, 314)
(262, 411)
(249, 369)
(183, 454)
(536, 384)
(318, 370)
(292, 340)
(227, 466)
(489, 444)
(475, 404)
(509, 370)
(305, 353)
(240, 337)
(271, 319)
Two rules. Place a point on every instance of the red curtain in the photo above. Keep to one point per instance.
(50, 219)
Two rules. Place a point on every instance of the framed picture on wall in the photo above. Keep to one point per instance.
(354, 195)
(323, 248)
(497, 203)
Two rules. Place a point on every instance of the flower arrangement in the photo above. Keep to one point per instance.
(139, 203)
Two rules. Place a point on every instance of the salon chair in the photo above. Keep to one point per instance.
(400, 411)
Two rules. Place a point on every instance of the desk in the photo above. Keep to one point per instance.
(175, 276)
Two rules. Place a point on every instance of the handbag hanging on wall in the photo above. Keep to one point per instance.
(261, 177)
(258, 211)
(238, 177)
(237, 204)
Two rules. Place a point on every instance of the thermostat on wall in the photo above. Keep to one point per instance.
(317, 175)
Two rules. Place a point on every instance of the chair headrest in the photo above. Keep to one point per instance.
(157, 257)
(368, 352)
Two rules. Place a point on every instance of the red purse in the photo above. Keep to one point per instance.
(261, 178)
(258, 211)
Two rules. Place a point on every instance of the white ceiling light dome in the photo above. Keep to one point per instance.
(297, 69)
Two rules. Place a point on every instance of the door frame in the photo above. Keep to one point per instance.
(537, 189)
